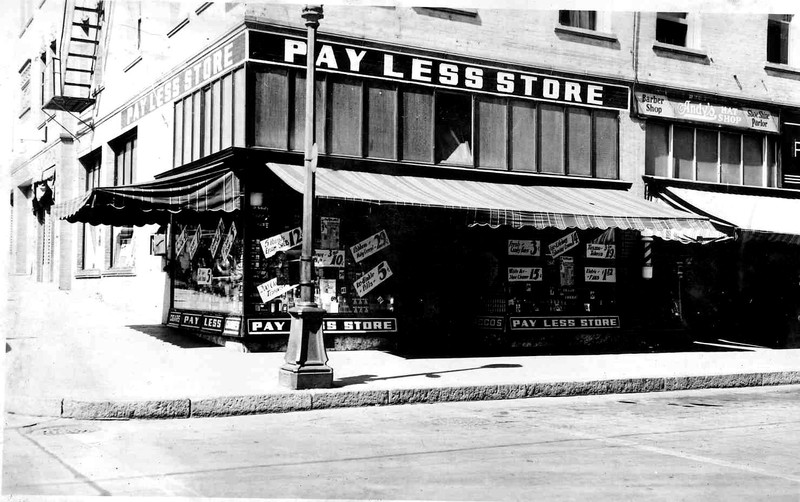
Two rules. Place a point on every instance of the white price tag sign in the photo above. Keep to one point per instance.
(524, 274)
(180, 242)
(600, 274)
(329, 258)
(228, 243)
(217, 238)
(271, 289)
(563, 244)
(603, 251)
(370, 246)
(203, 276)
(372, 279)
(518, 247)
(194, 242)
(281, 242)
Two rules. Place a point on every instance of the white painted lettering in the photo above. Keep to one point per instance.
(217, 62)
(448, 74)
(595, 94)
(228, 59)
(293, 48)
(529, 80)
(572, 92)
(176, 87)
(187, 79)
(206, 68)
(505, 82)
(420, 70)
(473, 77)
(327, 57)
(388, 67)
(159, 96)
(550, 88)
(355, 58)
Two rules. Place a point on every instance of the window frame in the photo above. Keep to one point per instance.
(123, 147)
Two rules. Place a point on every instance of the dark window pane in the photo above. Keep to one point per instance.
(778, 38)
(297, 124)
(523, 136)
(271, 91)
(656, 157)
(772, 163)
(730, 158)
(606, 144)
(671, 28)
(551, 139)
(216, 115)
(683, 152)
(188, 118)
(206, 121)
(345, 119)
(579, 142)
(707, 156)
(492, 134)
(453, 129)
(177, 144)
(382, 121)
(227, 112)
(753, 148)
(238, 108)
(585, 19)
(196, 125)
(417, 125)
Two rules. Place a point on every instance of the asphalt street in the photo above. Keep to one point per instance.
(732, 444)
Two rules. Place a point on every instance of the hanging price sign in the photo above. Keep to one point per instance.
(180, 242)
(203, 276)
(271, 289)
(370, 246)
(329, 258)
(281, 242)
(600, 274)
(194, 242)
(372, 279)
(524, 274)
(602, 251)
(563, 244)
(228, 243)
(518, 247)
(217, 238)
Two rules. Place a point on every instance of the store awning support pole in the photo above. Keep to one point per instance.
(306, 361)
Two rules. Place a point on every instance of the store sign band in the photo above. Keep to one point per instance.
(661, 106)
(370, 62)
(268, 326)
(212, 323)
(562, 322)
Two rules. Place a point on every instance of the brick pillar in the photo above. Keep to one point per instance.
(66, 188)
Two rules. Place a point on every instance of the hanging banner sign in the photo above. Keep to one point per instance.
(403, 66)
(601, 251)
(228, 243)
(523, 248)
(217, 238)
(370, 246)
(180, 241)
(328, 258)
(563, 244)
(600, 274)
(524, 274)
(203, 276)
(194, 242)
(282, 242)
(562, 322)
(329, 232)
(372, 279)
(271, 289)
(658, 105)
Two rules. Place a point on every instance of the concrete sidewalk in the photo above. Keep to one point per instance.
(72, 356)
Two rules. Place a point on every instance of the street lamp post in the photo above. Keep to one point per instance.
(305, 365)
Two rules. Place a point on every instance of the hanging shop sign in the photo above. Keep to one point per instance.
(329, 232)
(524, 274)
(601, 251)
(563, 244)
(228, 242)
(370, 246)
(186, 79)
(494, 323)
(194, 242)
(659, 105)
(517, 247)
(217, 238)
(180, 242)
(562, 322)
(271, 289)
(328, 258)
(372, 279)
(282, 242)
(361, 60)
(600, 274)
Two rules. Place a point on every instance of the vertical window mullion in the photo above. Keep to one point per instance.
(671, 163)
(719, 156)
(764, 153)
(741, 159)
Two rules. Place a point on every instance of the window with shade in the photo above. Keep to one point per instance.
(783, 42)
(712, 156)
(120, 250)
(585, 19)
(90, 251)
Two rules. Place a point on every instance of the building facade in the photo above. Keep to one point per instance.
(587, 178)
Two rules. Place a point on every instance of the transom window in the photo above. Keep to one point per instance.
(586, 19)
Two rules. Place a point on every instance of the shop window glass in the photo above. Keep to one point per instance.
(91, 241)
(381, 127)
(417, 125)
(586, 19)
(523, 136)
(707, 155)
(238, 108)
(297, 120)
(551, 139)
(778, 38)
(730, 150)
(579, 141)
(216, 115)
(606, 144)
(753, 160)
(122, 243)
(772, 163)
(492, 134)
(656, 158)
(197, 121)
(672, 28)
(227, 112)
(177, 144)
(188, 118)
(207, 107)
(683, 152)
(453, 129)
(271, 95)
(345, 117)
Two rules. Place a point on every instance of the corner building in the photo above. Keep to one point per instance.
(571, 183)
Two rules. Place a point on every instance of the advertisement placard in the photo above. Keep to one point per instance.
(217, 238)
(281, 242)
(180, 241)
(518, 247)
(328, 258)
(203, 275)
(600, 274)
(329, 232)
(194, 242)
(372, 279)
(228, 243)
(524, 274)
(530, 323)
(271, 289)
(601, 251)
(370, 246)
(563, 244)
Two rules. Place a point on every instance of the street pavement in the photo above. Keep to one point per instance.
(710, 444)
(73, 356)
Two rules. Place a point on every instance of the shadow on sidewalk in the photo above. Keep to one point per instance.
(172, 336)
(357, 379)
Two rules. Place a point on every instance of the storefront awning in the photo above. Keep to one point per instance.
(495, 204)
(757, 216)
(211, 188)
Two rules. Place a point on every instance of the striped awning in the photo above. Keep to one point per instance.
(496, 204)
(211, 188)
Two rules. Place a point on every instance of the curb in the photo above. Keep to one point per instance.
(326, 399)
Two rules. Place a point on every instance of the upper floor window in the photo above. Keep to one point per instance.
(778, 38)
(120, 251)
(586, 19)
(90, 256)
(25, 88)
(676, 28)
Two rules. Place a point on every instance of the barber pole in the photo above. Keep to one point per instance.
(647, 267)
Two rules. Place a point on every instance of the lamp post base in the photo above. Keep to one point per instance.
(306, 360)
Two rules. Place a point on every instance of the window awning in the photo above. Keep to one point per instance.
(757, 216)
(495, 204)
(211, 188)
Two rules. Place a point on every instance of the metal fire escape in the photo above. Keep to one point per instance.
(71, 74)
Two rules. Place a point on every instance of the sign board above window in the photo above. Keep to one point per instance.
(658, 105)
(369, 62)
